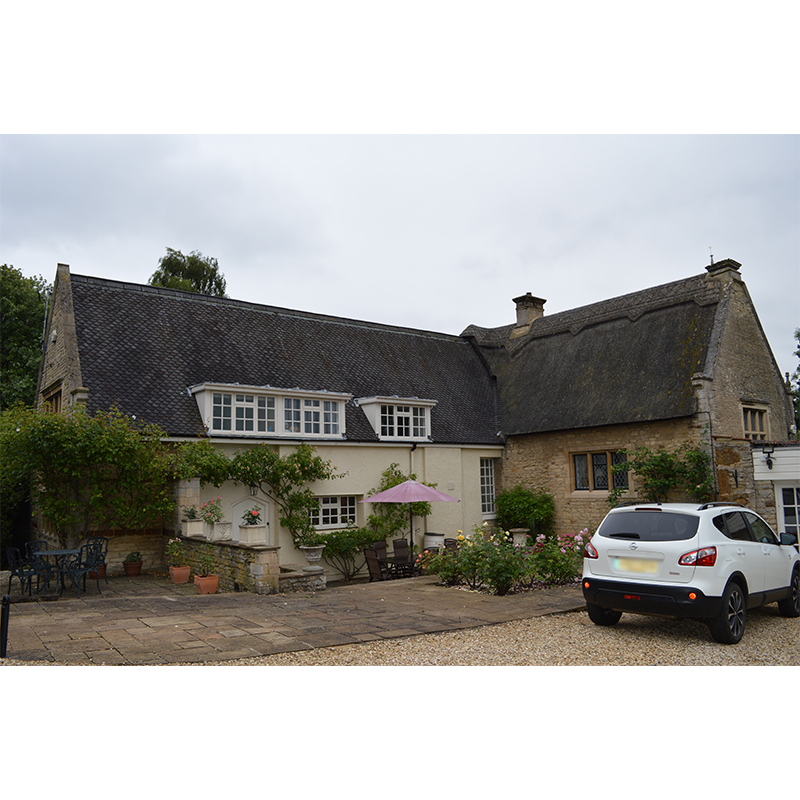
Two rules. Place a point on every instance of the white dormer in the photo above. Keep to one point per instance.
(235, 410)
(399, 418)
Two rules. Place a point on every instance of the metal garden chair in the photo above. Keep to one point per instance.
(20, 569)
(103, 542)
(88, 560)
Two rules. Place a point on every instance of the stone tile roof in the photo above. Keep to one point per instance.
(142, 347)
(624, 360)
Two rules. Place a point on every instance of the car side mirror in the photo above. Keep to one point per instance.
(788, 538)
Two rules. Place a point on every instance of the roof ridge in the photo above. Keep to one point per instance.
(181, 294)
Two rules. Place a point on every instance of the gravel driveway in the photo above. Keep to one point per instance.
(569, 640)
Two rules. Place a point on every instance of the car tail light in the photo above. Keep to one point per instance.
(589, 551)
(705, 557)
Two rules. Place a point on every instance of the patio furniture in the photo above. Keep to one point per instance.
(380, 549)
(77, 568)
(36, 552)
(103, 542)
(378, 570)
(20, 569)
(402, 563)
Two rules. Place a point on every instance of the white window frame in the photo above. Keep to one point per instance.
(344, 508)
(399, 419)
(488, 491)
(257, 411)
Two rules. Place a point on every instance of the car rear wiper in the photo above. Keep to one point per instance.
(625, 536)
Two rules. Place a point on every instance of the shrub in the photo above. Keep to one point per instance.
(343, 548)
(521, 507)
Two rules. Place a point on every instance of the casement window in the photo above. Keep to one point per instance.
(396, 418)
(52, 400)
(487, 487)
(789, 509)
(593, 471)
(334, 512)
(289, 413)
(755, 423)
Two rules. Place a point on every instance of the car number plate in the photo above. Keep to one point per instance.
(644, 566)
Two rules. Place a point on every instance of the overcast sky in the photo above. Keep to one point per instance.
(432, 232)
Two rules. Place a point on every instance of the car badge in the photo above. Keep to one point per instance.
(633, 545)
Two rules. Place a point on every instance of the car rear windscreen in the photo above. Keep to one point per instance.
(649, 526)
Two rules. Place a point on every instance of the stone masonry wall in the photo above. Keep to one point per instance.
(544, 461)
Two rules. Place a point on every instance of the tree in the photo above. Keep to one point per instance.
(283, 480)
(22, 308)
(192, 273)
(795, 386)
(86, 472)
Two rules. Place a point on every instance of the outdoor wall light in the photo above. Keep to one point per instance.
(767, 450)
(253, 489)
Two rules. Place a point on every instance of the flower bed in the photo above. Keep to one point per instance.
(493, 563)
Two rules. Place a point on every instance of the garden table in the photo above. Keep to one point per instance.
(60, 557)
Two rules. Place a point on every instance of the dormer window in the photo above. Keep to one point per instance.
(265, 411)
(395, 418)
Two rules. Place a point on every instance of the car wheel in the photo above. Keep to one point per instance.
(728, 626)
(602, 616)
(790, 606)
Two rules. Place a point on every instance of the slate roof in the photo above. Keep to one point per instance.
(142, 347)
(625, 360)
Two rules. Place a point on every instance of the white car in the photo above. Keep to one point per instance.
(711, 562)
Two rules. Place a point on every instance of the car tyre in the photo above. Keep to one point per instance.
(728, 626)
(602, 616)
(790, 606)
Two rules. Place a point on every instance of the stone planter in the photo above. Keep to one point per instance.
(193, 527)
(221, 532)
(312, 553)
(519, 536)
(433, 541)
(253, 534)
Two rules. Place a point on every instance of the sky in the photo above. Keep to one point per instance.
(435, 232)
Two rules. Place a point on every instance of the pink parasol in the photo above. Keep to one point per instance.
(410, 492)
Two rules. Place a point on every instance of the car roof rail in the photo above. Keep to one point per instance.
(625, 503)
(718, 503)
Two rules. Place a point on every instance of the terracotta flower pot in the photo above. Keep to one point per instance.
(180, 574)
(206, 584)
(94, 576)
(132, 568)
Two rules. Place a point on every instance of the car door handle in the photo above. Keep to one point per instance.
(740, 551)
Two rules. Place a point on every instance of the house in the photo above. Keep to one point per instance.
(685, 361)
(548, 401)
(364, 395)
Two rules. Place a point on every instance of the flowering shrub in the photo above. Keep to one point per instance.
(176, 552)
(491, 562)
(190, 512)
(211, 511)
(252, 516)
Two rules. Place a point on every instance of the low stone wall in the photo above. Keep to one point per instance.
(250, 568)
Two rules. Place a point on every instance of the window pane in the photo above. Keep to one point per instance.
(581, 463)
(419, 422)
(620, 479)
(487, 486)
(600, 470)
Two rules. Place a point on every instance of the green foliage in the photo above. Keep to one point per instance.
(521, 507)
(133, 557)
(343, 549)
(200, 459)
(494, 564)
(284, 480)
(176, 552)
(389, 520)
(206, 560)
(191, 273)
(684, 473)
(85, 472)
(211, 511)
(22, 309)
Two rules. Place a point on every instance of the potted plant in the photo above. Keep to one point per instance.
(312, 545)
(211, 514)
(179, 570)
(192, 523)
(252, 528)
(132, 564)
(206, 581)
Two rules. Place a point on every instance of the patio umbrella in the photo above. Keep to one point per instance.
(410, 492)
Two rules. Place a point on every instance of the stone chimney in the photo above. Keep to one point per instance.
(726, 270)
(529, 308)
